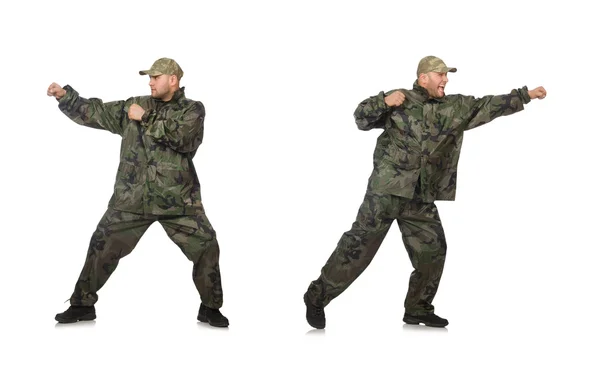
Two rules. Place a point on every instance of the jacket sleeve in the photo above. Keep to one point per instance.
(182, 132)
(483, 110)
(372, 112)
(93, 112)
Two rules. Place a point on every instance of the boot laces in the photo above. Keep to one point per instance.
(318, 311)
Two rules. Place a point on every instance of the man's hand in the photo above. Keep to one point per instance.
(136, 112)
(395, 99)
(538, 92)
(56, 91)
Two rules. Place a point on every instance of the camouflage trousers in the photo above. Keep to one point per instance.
(423, 238)
(117, 235)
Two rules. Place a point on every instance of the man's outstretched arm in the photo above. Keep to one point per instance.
(483, 110)
(89, 112)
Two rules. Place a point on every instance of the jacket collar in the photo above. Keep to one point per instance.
(179, 94)
(422, 92)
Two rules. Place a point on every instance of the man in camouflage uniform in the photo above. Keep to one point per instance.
(156, 181)
(415, 163)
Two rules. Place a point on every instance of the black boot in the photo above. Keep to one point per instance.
(430, 320)
(315, 315)
(212, 316)
(76, 313)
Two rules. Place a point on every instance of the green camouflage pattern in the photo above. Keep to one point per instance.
(164, 66)
(433, 64)
(423, 238)
(422, 138)
(156, 174)
(118, 233)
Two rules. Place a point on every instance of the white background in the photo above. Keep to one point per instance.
(283, 170)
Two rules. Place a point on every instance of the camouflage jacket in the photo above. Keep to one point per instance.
(156, 174)
(422, 138)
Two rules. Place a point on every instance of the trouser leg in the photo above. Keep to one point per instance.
(425, 243)
(355, 250)
(197, 239)
(115, 237)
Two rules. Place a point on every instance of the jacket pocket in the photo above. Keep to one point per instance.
(400, 158)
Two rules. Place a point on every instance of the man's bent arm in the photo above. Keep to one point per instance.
(372, 112)
(182, 133)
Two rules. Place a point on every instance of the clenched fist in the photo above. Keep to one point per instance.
(135, 112)
(538, 92)
(56, 91)
(395, 99)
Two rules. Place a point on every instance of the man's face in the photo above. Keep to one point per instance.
(435, 84)
(159, 86)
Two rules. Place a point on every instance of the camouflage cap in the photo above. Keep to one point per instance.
(164, 66)
(433, 64)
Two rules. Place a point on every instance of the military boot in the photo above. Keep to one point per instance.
(315, 315)
(212, 316)
(76, 313)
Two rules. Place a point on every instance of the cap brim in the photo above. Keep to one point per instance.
(151, 73)
(442, 70)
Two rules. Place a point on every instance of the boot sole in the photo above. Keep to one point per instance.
(83, 318)
(203, 319)
(413, 321)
